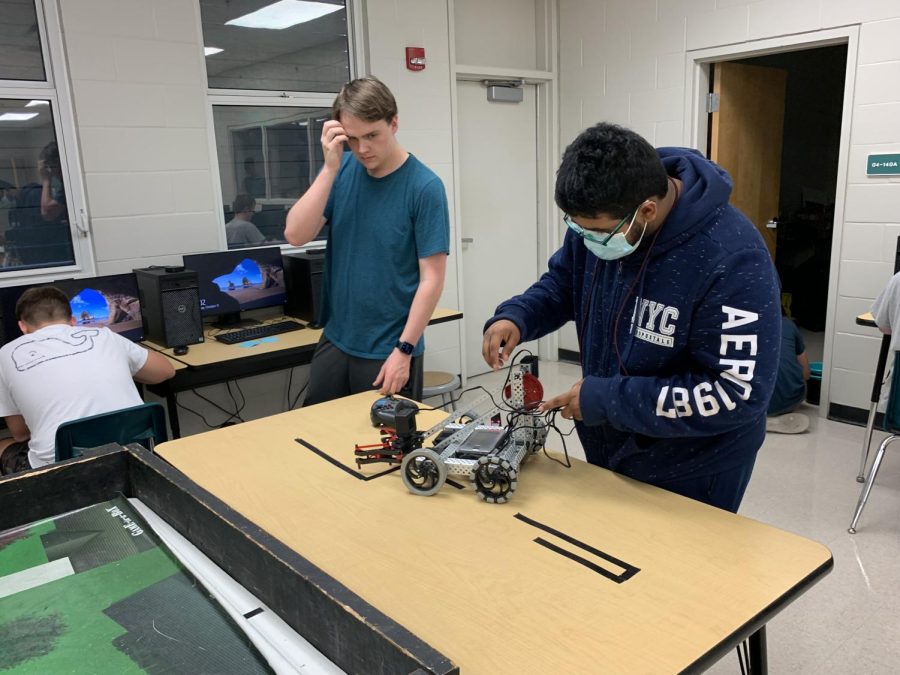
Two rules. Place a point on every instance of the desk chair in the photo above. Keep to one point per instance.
(144, 424)
(437, 383)
(892, 425)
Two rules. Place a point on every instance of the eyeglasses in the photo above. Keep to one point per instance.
(585, 234)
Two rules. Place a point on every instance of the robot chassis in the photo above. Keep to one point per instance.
(488, 455)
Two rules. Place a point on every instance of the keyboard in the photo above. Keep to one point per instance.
(256, 332)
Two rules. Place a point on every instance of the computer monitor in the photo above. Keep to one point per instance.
(234, 281)
(110, 301)
(9, 296)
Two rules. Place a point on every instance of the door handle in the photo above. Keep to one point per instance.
(468, 240)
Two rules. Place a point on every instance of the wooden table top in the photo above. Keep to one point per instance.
(212, 351)
(469, 578)
(866, 319)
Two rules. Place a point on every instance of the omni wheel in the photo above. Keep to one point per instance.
(423, 472)
(495, 479)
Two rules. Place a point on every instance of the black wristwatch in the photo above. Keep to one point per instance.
(405, 347)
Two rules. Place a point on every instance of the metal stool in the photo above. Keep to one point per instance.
(436, 383)
(892, 426)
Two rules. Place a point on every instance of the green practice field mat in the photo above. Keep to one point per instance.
(96, 591)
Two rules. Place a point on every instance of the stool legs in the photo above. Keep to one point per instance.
(880, 367)
(870, 480)
(867, 442)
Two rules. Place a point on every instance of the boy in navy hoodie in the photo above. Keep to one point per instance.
(676, 304)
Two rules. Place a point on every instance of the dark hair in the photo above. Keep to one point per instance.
(43, 304)
(243, 202)
(50, 153)
(367, 98)
(608, 170)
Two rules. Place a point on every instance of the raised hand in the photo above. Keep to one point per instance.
(333, 139)
(500, 339)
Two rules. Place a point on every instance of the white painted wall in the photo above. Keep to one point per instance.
(624, 61)
(140, 105)
(499, 33)
(142, 123)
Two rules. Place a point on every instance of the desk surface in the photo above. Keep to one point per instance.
(212, 351)
(469, 578)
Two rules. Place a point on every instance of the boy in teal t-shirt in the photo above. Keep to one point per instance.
(388, 241)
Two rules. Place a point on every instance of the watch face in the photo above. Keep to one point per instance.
(405, 347)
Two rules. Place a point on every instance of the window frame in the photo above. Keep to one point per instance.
(274, 99)
(55, 88)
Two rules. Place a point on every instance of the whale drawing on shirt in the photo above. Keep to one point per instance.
(35, 352)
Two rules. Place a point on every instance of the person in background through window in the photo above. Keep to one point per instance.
(239, 231)
(39, 225)
(388, 242)
(53, 194)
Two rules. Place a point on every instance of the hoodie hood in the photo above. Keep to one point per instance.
(705, 190)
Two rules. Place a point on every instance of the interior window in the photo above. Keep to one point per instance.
(35, 227)
(288, 45)
(20, 55)
(268, 157)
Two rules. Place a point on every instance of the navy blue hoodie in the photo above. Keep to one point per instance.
(679, 340)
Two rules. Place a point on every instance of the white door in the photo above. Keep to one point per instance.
(498, 199)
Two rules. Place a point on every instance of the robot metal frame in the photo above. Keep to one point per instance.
(490, 456)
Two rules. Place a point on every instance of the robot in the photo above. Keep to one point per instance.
(481, 448)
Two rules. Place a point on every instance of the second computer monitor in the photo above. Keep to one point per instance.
(109, 301)
(235, 281)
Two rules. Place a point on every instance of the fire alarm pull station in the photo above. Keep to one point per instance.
(415, 58)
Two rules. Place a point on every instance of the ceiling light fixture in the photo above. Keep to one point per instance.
(284, 14)
(17, 117)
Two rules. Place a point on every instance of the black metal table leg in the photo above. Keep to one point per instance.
(759, 662)
(172, 407)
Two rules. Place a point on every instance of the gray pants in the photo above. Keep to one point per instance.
(333, 374)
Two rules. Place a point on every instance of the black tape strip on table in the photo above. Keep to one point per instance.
(629, 570)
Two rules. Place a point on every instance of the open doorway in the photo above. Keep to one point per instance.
(796, 211)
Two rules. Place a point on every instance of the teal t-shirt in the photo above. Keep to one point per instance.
(379, 228)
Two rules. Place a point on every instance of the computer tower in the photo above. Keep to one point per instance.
(303, 280)
(170, 304)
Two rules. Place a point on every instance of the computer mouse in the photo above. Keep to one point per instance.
(180, 350)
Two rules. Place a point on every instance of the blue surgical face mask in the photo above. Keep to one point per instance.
(617, 246)
(610, 247)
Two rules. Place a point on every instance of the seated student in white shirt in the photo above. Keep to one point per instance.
(57, 372)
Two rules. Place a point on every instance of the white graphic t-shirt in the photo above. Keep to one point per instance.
(62, 373)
